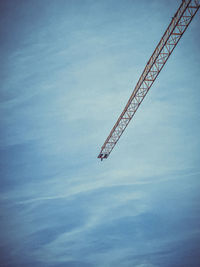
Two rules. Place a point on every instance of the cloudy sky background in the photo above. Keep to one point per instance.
(67, 70)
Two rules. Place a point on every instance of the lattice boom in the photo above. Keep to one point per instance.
(165, 47)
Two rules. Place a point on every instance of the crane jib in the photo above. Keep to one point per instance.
(163, 50)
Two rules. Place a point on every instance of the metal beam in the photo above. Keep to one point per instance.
(165, 47)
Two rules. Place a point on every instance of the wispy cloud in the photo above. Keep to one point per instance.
(70, 70)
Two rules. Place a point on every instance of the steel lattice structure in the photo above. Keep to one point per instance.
(165, 47)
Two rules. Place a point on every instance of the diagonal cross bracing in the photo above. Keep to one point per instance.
(165, 47)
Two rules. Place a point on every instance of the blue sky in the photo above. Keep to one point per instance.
(68, 69)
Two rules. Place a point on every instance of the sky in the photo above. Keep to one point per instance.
(67, 70)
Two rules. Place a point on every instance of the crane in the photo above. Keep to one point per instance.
(178, 25)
